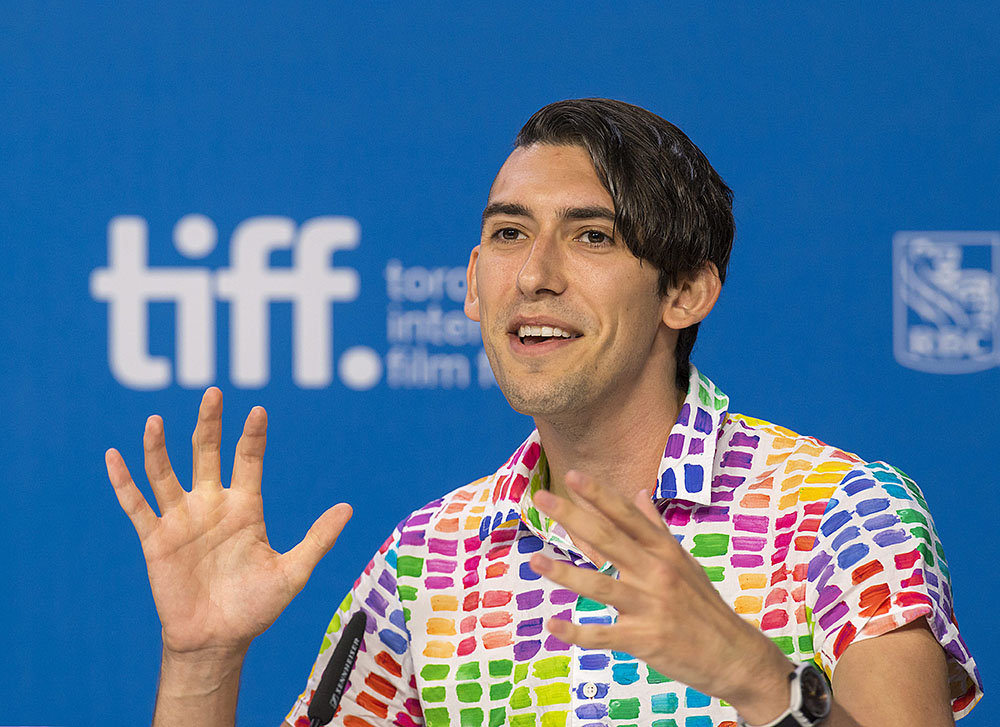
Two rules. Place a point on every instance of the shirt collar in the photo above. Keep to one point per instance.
(686, 466)
(512, 486)
(685, 470)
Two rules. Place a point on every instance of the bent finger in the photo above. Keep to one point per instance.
(207, 440)
(302, 559)
(600, 587)
(645, 505)
(248, 466)
(592, 636)
(596, 530)
(131, 500)
(166, 488)
(616, 509)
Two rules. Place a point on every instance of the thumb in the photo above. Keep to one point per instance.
(302, 559)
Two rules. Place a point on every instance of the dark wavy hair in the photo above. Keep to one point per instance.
(671, 207)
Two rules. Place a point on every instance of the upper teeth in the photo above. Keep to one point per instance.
(542, 331)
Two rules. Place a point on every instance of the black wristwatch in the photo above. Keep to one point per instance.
(810, 703)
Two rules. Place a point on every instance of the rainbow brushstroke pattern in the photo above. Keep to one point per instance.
(816, 547)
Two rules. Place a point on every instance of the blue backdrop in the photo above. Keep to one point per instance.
(176, 130)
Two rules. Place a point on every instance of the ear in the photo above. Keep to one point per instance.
(471, 289)
(692, 298)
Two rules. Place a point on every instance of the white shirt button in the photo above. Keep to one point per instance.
(590, 690)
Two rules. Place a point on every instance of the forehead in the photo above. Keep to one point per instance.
(546, 174)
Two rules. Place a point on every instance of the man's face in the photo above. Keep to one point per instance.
(571, 320)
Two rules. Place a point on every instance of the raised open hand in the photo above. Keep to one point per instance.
(669, 614)
(216, 581)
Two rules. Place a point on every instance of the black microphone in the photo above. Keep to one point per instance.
(333, 683)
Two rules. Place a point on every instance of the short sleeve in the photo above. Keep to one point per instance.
(382, 687)
(878, 564)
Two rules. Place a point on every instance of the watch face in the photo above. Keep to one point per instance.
(815, 694)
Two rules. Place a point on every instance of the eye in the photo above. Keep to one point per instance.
(596, 238)
(508, 234)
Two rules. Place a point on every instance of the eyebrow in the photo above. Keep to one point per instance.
(570, 213)
(588, 213)
(505, 208)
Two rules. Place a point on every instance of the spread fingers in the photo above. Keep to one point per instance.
(131, 500)
(207, 440)
(166, 488)
(248, 466)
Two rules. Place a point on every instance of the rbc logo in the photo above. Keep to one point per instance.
(249, 285)
(946, 301)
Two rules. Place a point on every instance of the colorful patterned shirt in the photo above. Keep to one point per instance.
(814, 546)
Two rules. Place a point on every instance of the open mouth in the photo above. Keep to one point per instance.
(531, 335)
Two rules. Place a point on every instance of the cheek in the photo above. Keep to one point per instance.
(640, 314)
(494, 282)
(490, 303)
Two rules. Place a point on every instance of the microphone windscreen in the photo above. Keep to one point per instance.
(333, 683)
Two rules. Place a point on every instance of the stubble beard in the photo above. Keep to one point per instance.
(557, 399)
(568, 400)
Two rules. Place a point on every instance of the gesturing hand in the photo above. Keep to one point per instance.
(669, 614)
(216, 581)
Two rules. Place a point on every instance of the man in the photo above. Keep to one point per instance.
(644, 557)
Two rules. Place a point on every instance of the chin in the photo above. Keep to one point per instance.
(536, 394)
(549, 401)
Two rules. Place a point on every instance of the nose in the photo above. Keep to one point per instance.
(543, 270)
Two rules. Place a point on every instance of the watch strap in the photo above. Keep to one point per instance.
(793, 716)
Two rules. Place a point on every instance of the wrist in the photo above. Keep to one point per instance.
(810, 700)
(763, 694)
(199, 673)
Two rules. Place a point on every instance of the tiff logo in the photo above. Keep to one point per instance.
(128, 284)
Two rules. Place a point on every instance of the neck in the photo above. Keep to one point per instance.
(619, 446)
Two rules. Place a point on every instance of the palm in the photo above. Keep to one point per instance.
(216, 581)
(212, 571)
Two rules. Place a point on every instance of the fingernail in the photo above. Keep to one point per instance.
(540, 564)
(544, 498)
(575, 480)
